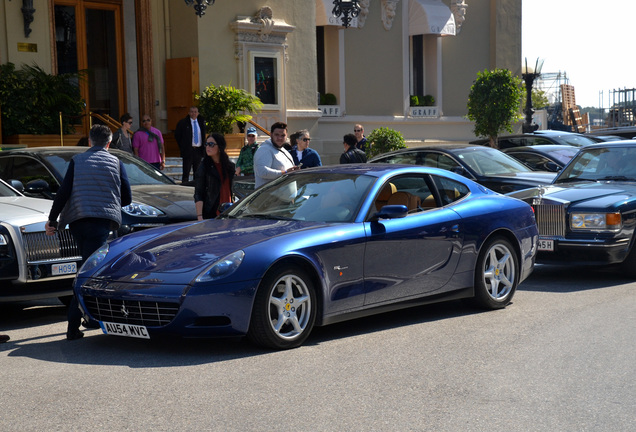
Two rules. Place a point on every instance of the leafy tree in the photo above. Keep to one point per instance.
(493, 103)
(33, 99)
(383, 140)
(223, 106)
(539, 99)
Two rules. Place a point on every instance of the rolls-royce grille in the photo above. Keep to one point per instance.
(150, 314)
(550, 220)
(40, 247)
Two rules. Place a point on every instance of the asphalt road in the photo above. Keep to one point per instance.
(562, 357)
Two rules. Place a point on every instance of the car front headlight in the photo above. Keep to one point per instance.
(139, 209)
(596, 221)
(95, 259)
(222, 268)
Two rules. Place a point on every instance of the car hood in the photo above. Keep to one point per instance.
(598, 195)
(23, 210)
(191, 247)
(176, 201)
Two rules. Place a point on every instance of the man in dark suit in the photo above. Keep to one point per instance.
(190, 135)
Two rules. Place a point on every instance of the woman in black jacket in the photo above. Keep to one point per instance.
(213, 179)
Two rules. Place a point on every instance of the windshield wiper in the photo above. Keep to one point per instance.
(264, 216)
(574, 179)
(623, 178)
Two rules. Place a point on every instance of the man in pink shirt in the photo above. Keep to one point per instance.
(148, 144)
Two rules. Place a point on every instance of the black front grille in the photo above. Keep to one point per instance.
(145, 313)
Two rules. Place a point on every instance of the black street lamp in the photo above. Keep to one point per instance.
(529, 75)
(200, 6)
(348, 9)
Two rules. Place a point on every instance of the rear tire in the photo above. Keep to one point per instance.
(284, 310)
(496, 274)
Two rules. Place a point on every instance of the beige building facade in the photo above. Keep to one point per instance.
(287, 52)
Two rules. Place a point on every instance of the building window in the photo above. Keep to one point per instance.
(265, 72)
(417, 65)
(265, 80)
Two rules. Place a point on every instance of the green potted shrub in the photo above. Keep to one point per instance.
(328, 99)
(383, 140)
(33, 99)
(224, 106)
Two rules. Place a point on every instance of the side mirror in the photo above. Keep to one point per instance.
(17, 185)
(224, 206)
(459, 170)
(38, 187)
(391, 212)
(552, 167)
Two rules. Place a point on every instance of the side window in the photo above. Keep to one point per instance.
(26, 169)
(438, 160)
(450, 190)
(410, 191)
(533, 161)
(401, 158)
(4, 168)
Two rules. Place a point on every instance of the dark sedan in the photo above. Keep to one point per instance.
(157, 199)
(588, 215)
(484, 165)
(542, 137)
(543, 157)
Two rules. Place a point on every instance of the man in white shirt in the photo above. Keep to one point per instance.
(271, 160)
(190, 135)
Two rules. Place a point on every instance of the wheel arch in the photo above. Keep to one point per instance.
(508, 235)
(309, 267)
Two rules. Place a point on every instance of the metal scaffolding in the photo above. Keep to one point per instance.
(621, 110)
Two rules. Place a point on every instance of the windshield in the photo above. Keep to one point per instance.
(575, 140)
(317, 197)
(138, 171)
(613, 162)
(490, 162)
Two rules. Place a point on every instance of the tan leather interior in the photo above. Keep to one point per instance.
(412, 202)
(429, 202)
(384, 196)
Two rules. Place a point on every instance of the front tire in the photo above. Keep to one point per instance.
(496, 274)
(284, 310)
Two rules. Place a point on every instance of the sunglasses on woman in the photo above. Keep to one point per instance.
(210, 144)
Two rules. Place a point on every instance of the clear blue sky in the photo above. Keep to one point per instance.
(593, 41)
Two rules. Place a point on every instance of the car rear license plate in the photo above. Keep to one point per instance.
(62, 269)
(546, 245)
(128, 330)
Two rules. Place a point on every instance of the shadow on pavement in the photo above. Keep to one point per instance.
(567, 279)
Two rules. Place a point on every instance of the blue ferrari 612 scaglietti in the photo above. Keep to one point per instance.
(311, 248)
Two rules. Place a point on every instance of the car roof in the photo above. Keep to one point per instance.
(607, 144)
(545, 148)
(442, 147)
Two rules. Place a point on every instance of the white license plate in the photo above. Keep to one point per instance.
(127, 330)
(62, 269)
(546, 245)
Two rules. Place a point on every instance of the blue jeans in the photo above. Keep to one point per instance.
(90, 234)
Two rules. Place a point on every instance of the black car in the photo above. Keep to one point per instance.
(156, 199)
(543, 157)
(588, 214)
(484, 165)
(542, 137)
